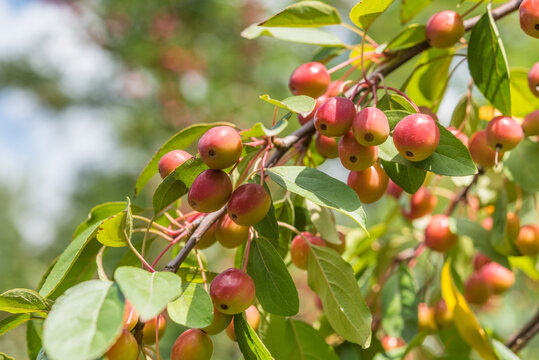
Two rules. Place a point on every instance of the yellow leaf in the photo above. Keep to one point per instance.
(467, 325)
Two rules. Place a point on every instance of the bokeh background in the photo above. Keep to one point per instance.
(90, 89)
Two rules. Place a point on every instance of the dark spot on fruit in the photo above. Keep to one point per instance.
(193, 203)
(224, 306)
(212, 153)
(409, 154)
(323, 127)
(233, 216)
(368, 137)
(537, 26)
(353, 158)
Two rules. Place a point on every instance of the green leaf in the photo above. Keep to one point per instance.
(408, 178)
(399, 304)
(394, 116)
(410, 8)
(527, 264)
(433, 64)
(5, 357)
(67, 261)
(527, 177)
(11, 322)
(395, 102)
(366, 11)
(324, 222)
(480, 238)
(459, 114)
(410, 36)
(307, 36)
(33, 338)
(258, 129)
(179, 141)
(193, 308)
(522, 99)
(148, 292)
(177, 184)
(103, 211)
(294, 339)
(498, 235)
(85, 321)
(333, 280)
(305, 14)
(267, 227)
(488, 63)
(284, 212)
(450, 158)
(325, 54)
(18, 301)
(321, 189)
(297, 104)
(114, 231)
(250, 345)
(275, 289)
(190, 274)
(502, 351)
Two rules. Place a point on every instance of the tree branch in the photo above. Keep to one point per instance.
(520, 339)
(284, 144)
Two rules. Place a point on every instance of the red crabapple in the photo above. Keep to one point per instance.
(369, 184)
(299, 249)
(370, 126)
(444, 29)
(503, 133)
(232, 291)
(192, 344)
(311, 79)
(171, 160)
(438, 235)
(529, 17)
(249, 204)
(416, 137)
(210, 191)
(220, 147)
(335, 116)
(354, 156)
(229, 234)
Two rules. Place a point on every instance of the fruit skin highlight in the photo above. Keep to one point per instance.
(335, 116)
(529, 17)
(416, 137)
(503, 133)
(232, 291)
(171, 160)
(369, 184)
(444, 29)
(192, 344)
(249, 204)
(311, 79)
(220, 147)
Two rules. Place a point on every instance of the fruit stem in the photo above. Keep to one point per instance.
(202, 272)
(157, 338)
(471, 9)
(154, 231)
(242, 176)
(404, 96)
(458, 198)
(360, 33)
(350, 61)
(172, 243)
(142, 260)
(246, 253)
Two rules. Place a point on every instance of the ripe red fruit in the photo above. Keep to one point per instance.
(529, 17)
(370, 126)
(326, 146)
(354, 156)
(442, 315)
(232, 291)
(530, 125)
(253, 319)
(148, 332)
(220, 147)
(125, 348)
(249, 204)
(459, 135)
(390, 343)
(192, 344)
(299, 249)
(311, 79)
(130, 316)
(219, 323)
(305, 117)
(533, 78)
(338, 248)
(438, 236)
(393, 189)
(421, 204)
(369, 184)
(481, 153)
(527, 241)
(416, 137)
(425, 318)
(335, 116)
(444, 29)
(210, 191)
(171, 160)
(229, 234)
(480, 260)
(498, 277)
(503, 133)
(476, 289)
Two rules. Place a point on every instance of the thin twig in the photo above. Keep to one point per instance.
(521, 339)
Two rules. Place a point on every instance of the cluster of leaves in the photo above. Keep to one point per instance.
(89, 312)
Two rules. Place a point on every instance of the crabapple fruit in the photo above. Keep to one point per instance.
(171, 160)
(232, 291)
(438, 235)
(530, 125)
(533, 79)
(249, 204)
(125, 348)
(503, 133)
(527, 241)
(130, 316)
(369, 184)
(219, 323)
(480, 260)
(148, 332)
(192, 344)
(393, 189)
(421, 204)
(220, 147)
(303, 118)
(326, 146)
(529, 17)
(370, 126)
(340, 248)
(311, 79)
(481, 153)
(442, 314)
(476, 289)
(210, 191)
(425, 318)
(354, 156)
(459, 135)
(229, 234)
(498, 277)
(299, 249)
(444, 29)
(253, 319)
(335, 116)
(416, 137)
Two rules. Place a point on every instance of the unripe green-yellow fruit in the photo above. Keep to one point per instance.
(249, 204)
(476, 289)
(416, 137)
(438, 236)
(425, 318)
(311, 79)
(530, 125)
(220, 147)
(125, 348)
(229, 234)
(527, 241)
(148, 332)
(498, 277)
(171, 160)
(444, 29)
(529, 17)
(210, 191)
(253, 319)
(335, 116)
(219, 323)
(370, 126)
(503, 133)
(354, 156)
(326, 146)
(232, 291)
(299, 249)
(369, 184)
(442, 315)
(481, 153)
(192, 344)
